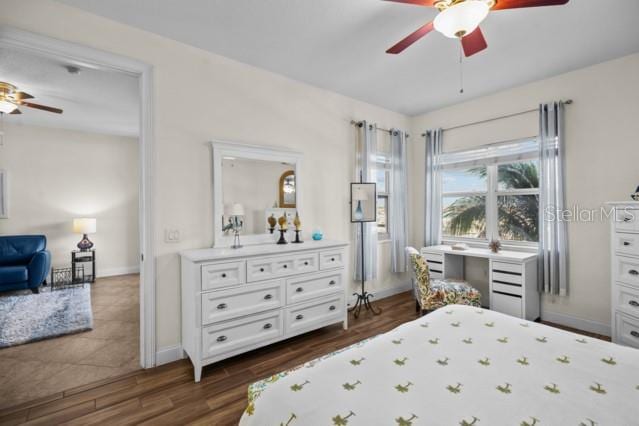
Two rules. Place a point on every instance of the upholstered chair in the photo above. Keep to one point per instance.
(432, 294)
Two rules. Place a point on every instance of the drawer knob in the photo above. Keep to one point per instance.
(306, 263)
(332, 259)
(634, 334)
(633, 272)
(268, 297)
(223, 275)
(221, 338)
(627, 219)
(634, 303)
(626, 243)
(221, 306)
(261, 269)
(331, 282)
(285, 266)
(267, 326)
(299, 289)
(299, 317)
(331, 308)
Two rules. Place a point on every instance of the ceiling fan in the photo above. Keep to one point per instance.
(461, 18)
(11, 98)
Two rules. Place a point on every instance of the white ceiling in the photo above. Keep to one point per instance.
(339, 44)
(94, 100)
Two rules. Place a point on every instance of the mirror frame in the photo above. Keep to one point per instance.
(221, 149)
(280, 189)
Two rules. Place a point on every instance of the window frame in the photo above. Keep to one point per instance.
(492, 193)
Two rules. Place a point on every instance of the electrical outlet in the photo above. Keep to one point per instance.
(171, 236)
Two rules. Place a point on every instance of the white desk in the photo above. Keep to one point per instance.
(512, 276)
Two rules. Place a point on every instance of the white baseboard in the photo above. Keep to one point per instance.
(124, 270)
(386, 292)
(575, 322)
(168, 354)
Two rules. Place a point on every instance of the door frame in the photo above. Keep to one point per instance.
(94, 58)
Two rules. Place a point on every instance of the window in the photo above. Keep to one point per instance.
(491, 193)
(383, 191)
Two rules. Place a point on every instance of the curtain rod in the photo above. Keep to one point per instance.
(488, 120)
(359, 124)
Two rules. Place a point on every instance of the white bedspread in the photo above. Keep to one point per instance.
(458, 366)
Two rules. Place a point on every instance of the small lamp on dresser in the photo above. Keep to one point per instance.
(84, 226)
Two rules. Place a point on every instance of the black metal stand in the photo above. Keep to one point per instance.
(282, 240)
(363, 298)
(297, 237)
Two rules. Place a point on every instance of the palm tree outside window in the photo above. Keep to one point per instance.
(495, 200)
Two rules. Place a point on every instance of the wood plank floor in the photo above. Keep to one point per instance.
(168, 395)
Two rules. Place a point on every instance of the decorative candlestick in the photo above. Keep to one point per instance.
(271, 223)
(283, 227)
(298, 228)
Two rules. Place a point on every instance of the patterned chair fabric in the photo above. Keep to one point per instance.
(435, 293)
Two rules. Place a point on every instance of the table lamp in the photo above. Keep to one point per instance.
(84, 226)
(235, 212)
(359, 195)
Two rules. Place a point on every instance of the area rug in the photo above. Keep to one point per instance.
(30, 317)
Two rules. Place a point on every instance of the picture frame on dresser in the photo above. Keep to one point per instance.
(624, 272)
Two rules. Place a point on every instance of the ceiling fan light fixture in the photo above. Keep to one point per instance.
(461, 18)
(7, 107)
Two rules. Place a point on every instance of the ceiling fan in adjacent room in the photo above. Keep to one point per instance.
(11, 98)
(461, 18)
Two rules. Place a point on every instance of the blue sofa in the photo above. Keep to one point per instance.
(24, 262)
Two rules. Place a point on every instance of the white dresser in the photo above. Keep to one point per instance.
(236, 300)
(512, 276)
(624, 263)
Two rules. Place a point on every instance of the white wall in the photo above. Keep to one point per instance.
(235, 102)
(56, 175)
(601, 164)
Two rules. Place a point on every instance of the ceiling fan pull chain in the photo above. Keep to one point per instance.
(461, 69)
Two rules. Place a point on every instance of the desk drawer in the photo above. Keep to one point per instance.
(627, 330)
(626, 299)
(219, 275)
(331, 259)
(310, 315)
(507, 278)
(249, 331)
(506, 304)
(307, 287)
(626, 270)
(512, 268)
(627, 220)
(625, 243)
(245, 300)
(513, 289)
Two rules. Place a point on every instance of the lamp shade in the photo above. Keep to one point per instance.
(235, 209)
(462, 18)
(359, 194)
(7, 107)
(84, 225)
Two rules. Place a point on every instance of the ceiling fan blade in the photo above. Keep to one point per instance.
(15, 111)
(412, 38)
(416, 2)
(516, 4)
(474, 42)
(22, 95)
(42, 107)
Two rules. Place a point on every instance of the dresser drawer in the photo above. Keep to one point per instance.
(514, 289)
(219, 275)
(506, 304)
(626, 299)
(249, 331)
(625, 243)
(627, 220)
(331, 259)
(248, 299)
(627, 330)
(312, 314)
(626, 270)
(281, 266)
(307, 287)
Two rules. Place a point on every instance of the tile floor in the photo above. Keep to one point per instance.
(111, 349)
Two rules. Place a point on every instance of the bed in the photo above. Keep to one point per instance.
(459, 365)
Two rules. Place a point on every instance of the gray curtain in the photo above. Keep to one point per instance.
(553, 244)
(433, 199)
(366, 164)
(398, 211)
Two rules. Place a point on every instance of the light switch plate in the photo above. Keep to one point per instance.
(171, 235)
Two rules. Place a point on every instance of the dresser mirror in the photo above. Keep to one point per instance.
(253, 182)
